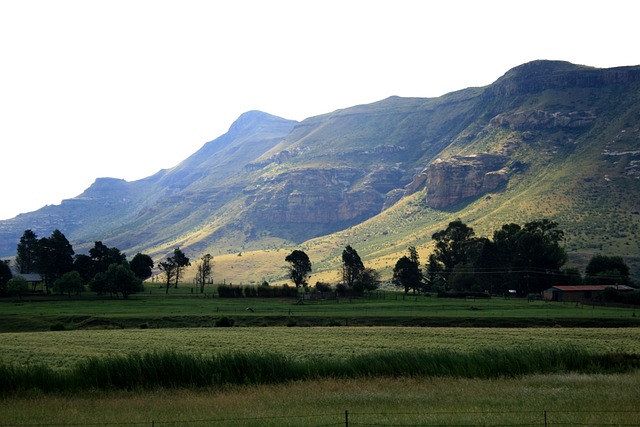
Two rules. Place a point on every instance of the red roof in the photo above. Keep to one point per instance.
(592, 288)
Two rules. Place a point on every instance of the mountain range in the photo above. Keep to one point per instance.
(549, 139)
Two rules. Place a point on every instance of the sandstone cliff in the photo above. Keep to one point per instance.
(317, 196)
(460, 177)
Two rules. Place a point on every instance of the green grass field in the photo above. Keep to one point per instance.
(186, 309)
(64, 348)
(98, 329)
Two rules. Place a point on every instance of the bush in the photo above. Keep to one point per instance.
(224, 322)
(57, 327)
(342, 289)
(323, 287)
(229, 291)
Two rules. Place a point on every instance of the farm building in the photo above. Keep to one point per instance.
(579, 293)
(33, 279)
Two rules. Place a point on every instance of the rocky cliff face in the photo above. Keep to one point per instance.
(317, 196)
(537, 76)
(460, 177)
(539, 119)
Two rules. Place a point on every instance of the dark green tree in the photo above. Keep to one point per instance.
(103, 256)
(607, 270)
(27, 253)
(84, 265)
(369, 281)
(181, 261)
(55, 257)
(352, 266)
(433, 278)
(299, 267)
(169, 268)
(100, 284)
(141, 265)
(17, 286)
(5, 275)
(118, 279)
(203, 271)
(454, 246)
(526, 259)
(69, 283)
(407, 275)
(123, 280)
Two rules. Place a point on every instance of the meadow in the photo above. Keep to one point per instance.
(186, 308)
(62, 349)
(296, 375)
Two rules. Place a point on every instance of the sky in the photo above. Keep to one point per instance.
(124, 88)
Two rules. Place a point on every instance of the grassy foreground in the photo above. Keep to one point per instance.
(170, 369)
(574, 399)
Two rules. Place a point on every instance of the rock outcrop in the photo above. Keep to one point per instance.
(539, 119)
(317, 196)
(460, 177)
(537, 76)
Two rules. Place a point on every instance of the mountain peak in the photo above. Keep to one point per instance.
(253, 119)
(542, 67)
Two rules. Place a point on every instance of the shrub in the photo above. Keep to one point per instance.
(323, 287)
(224, 322)
(57, 327)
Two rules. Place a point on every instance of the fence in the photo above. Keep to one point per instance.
(622, 418)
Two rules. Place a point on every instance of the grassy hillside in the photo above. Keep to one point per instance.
(569, 134)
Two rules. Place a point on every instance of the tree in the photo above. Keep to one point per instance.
(433, 274)
(5, 275)
(17, 286)
(527, 259)
(69, 283)
(55, 257)
(299, 267)
(168, 267)
(123, 280)
(84, 265)
(203, 271)
(352, 266)
(100, 284)
(407, 275)
(141, 265)
(607, 270)
(27, 253)
(117, 279)
(453, 245)
(181, 262)
(103, 256)
(368, 281)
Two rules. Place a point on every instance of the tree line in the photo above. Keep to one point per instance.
(522, 259)
(356, 278)
(104, 270)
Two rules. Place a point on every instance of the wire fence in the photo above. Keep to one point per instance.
(621, 418)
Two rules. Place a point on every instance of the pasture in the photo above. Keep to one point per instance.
(185, 308)
(62, 349)
(99, 329)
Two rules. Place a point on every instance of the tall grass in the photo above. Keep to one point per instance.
(170, 369)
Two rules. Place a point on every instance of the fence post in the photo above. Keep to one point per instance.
(346, 418)
(545, 418)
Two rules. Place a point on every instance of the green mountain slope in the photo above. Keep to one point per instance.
(548, 139)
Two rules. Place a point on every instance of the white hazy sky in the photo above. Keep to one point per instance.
(124, 88)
